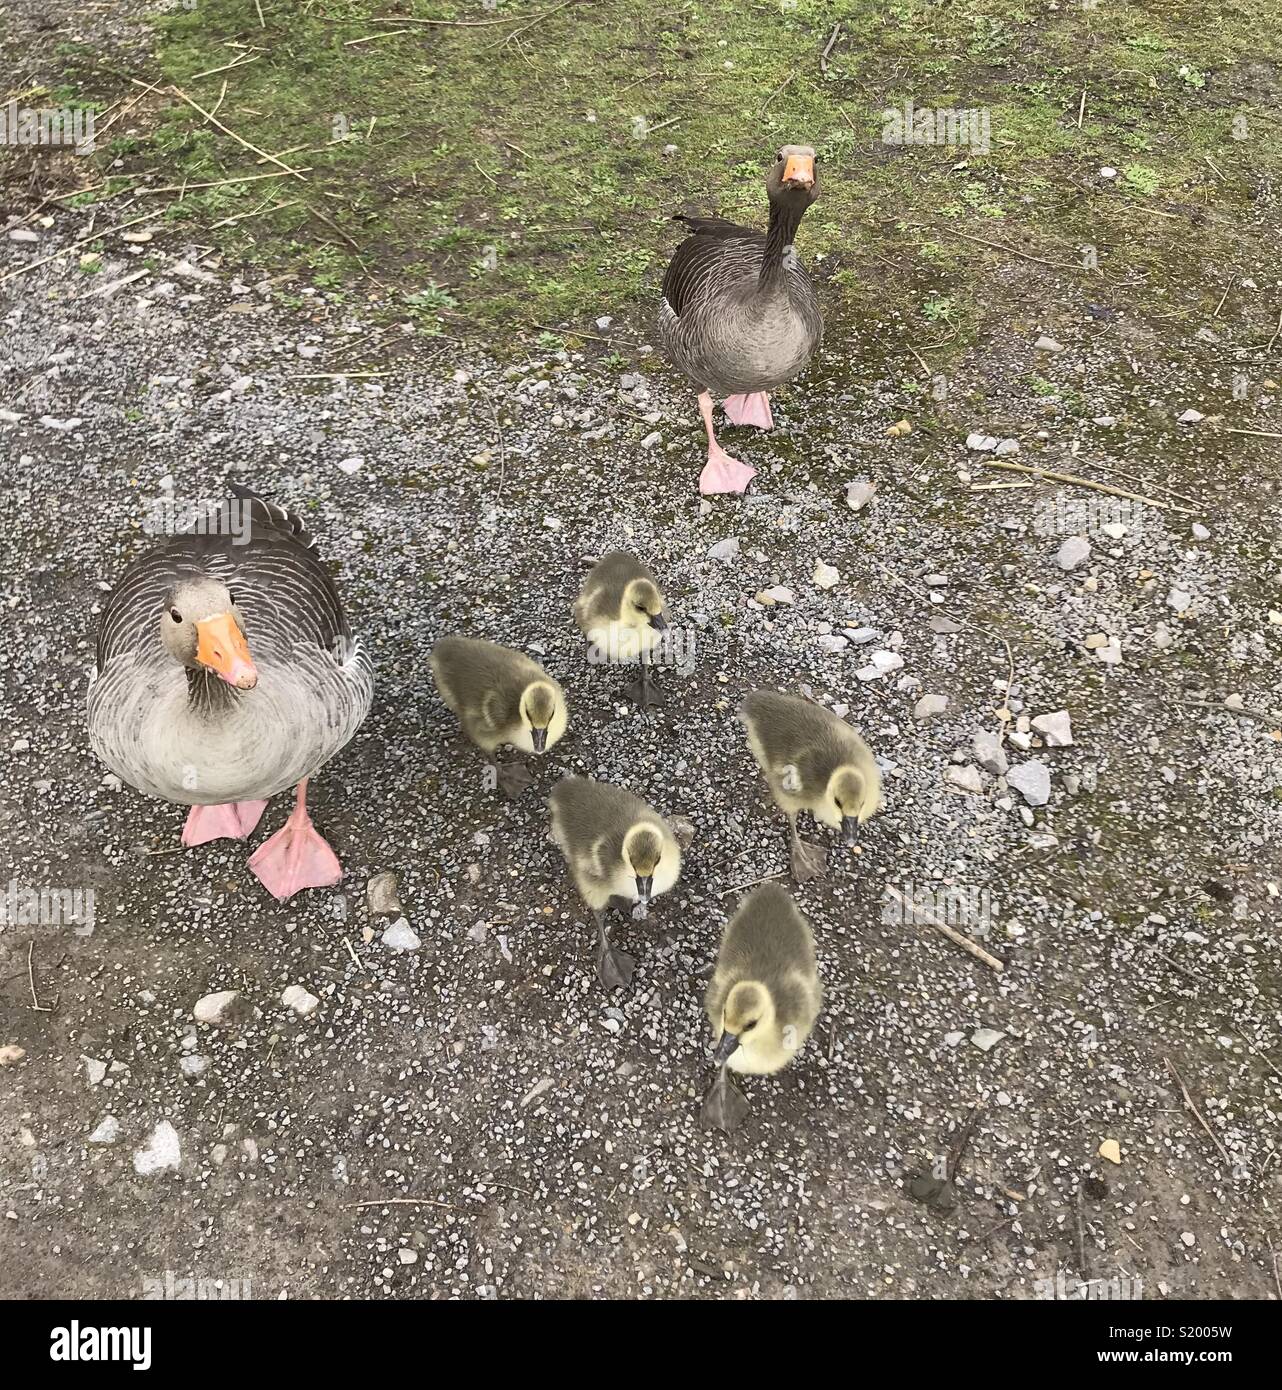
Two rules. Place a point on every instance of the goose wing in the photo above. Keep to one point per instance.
(712, 246)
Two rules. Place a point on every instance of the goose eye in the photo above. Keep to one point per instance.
(778, 156)
(748, 1027)
(175, 615)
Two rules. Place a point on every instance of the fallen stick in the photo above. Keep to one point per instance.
(950, 932)
(1013, 251)
(1188, 1100)
(374, 38)
(216, 183)
(93, 236)
(401, 1202)
(752, 883)
(240, 140)
(1258, 434)
(1088, 483)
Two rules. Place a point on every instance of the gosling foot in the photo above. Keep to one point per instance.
(749, 410)
(614, 968)
(724, 1107)
(722, 473)
(808, 861)
(233, 820)
(643, 691)
(296, 856)
(514, 779)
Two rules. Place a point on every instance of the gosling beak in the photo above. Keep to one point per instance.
(658, 622)
(221, 647)
(644, 884)
(728, 1044)
(799, 171)
(849, 829)
(539, 738)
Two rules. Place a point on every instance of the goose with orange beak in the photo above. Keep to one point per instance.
(739, 315)
(226, 673)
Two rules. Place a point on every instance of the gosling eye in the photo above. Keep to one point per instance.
(748, 1027)
(175, 615)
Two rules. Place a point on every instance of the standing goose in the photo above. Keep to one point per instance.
(739, 315)
(179, 707)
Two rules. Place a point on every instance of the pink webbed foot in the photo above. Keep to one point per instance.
(296, 856)
(233, 820)
(749, 410)
(722, 473)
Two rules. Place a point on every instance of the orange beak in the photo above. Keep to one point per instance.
(799, 171)
(221, 646)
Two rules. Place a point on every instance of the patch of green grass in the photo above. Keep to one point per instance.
(520, 173)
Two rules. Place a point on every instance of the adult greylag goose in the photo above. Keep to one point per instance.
(226, 672)
(739, 315)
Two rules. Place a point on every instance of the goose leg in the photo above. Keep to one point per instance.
(749, 410)
(514, 779)
(721, 473)
(614, 968)
(644, 691)
(296, 856)
(233, 820)
(725, 1106)
(808, 861)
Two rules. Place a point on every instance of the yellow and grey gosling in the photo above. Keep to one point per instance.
(763, 999)
(813, 762)
(621, 611)
(500, 697)
(617, 847)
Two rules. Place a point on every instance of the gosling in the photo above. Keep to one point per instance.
(616, 847)
(500, 697)
(620, 610)
(763, 999)
(813, 762)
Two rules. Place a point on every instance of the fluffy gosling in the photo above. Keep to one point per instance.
(763, 999)
(813, 762)
(620, 610)
(500, 697)
(616, 847)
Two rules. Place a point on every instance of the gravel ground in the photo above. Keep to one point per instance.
(547, 1133)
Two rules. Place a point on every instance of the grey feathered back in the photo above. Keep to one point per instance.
(601, 597)
(794, 732)
(586, 813)
(482, 683)
(769, 940)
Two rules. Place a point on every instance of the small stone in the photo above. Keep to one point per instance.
(929, 706)
(192, 1064)
(935, 581)
(777, 594)
(222, 1010)
(649, 442)
(303, 1003)
(986, 1038)
(382, 896)
(352, 465)
(1111, 1150)
(825, 576)
(1107, 172)
(95, 1070)
(1007, 446)
(943, 625)
(407, 1257)
(1110, 655)
(1179, 600)
(1045, 344)
(108, 1131)
(981, 443)
(967, 779)
(1114, 530)
(11, 1054)
(1055, 728)
(726, 550)
(859, 494)
(832, 643)
(1095, 640)
(23, 234)
(163, 1151)
(1188, 1238)
(401, 937)
(989, 753)
(1191, 417)
(1073, 552)
(1032, 780)
(1200, 533)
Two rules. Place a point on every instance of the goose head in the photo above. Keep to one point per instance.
(542, 713)
(201, 629)
(792, 182)
(747, 1018)
(643, 606)
(851, 798)
(642, 850)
